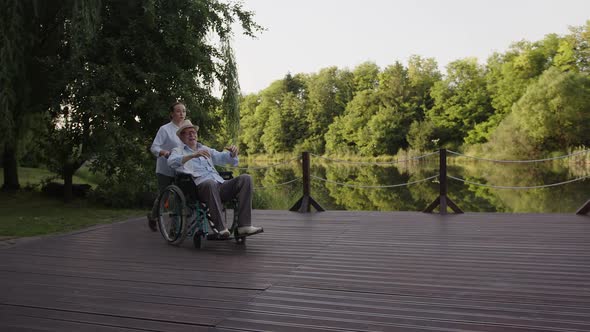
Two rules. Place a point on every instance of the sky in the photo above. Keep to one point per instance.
(304, 36)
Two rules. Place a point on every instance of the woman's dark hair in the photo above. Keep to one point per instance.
(171, 109)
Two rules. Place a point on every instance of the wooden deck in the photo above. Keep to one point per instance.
(329, 271)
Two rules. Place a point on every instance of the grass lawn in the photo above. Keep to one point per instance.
(30, 213)
(30, 177)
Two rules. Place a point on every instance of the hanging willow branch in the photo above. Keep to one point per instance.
(231, 91)
(12, 56)
(83, 25)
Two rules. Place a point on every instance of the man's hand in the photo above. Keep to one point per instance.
(164, 153)
(202, 153)
(233, 150)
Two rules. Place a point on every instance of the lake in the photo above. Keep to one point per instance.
(476, 186)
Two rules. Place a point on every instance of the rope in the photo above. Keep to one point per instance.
(261, 167)
(276, 185)
(366, 186)
(518, 161)
(375, 163)
(511, 187)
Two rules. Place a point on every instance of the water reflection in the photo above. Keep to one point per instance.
(566, 198)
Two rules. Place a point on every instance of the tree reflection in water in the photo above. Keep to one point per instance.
(565, 198)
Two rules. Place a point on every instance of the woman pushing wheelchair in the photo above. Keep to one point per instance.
(199, 161)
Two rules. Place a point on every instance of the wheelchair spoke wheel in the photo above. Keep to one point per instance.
(172, 219)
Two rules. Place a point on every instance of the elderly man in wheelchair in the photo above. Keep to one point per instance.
(194, 163)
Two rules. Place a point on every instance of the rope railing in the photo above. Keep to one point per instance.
(305, 203)
(443, 187)
(519, 161)
(375, 162)
(518, 187)
(371, 186)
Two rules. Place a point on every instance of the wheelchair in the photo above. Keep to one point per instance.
(182, 215)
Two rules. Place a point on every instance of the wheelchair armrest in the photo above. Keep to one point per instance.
(187, 186)
(182, 177)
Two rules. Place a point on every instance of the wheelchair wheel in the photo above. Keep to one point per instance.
(172, 219)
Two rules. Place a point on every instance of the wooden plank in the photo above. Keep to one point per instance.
(335, 270)
(421, 310)
(295, 321)
(36, 319)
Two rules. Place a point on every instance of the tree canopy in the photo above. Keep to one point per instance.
(93, 80)
(537, 86)
(108, 71)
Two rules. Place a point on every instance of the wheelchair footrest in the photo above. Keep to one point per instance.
(215, 237)
(241, 236)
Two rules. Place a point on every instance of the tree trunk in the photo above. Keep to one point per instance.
(68, 175)
(10, 168)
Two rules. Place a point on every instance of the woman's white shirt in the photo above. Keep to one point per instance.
(166, 139)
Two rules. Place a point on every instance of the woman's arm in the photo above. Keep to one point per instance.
(159, 140)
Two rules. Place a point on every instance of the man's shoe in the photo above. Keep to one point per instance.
(249, 230)
(152, 223)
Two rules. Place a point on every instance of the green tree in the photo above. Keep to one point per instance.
(378, 118)
(422, 136)
(574, 50)
(366, 77)
(276, 121)
(423, 73)
(344, 134)
(230, 99)
(380, 135)
(32, 32)
(555, 111)
(329, 92)
(251, 130)
(508, 141)
(286, 125)
(293, 112)
(508, 76)
(402, 100)
(256, 122)
(144, 55)
(552, 115)
(386, 132)
(461, 101)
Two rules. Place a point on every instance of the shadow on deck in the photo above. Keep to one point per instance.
(336, 270)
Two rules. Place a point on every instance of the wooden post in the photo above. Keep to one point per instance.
(584, 209)
(304, 204)
(442, 200)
